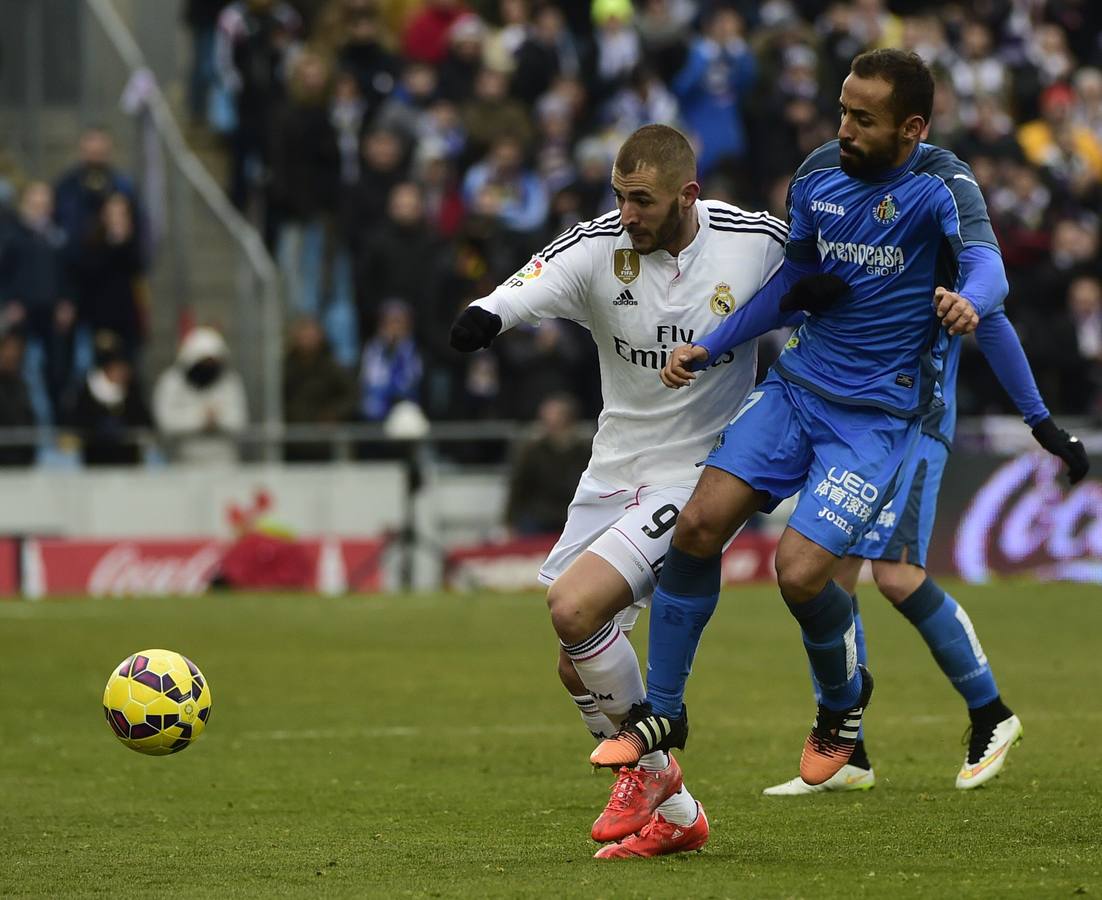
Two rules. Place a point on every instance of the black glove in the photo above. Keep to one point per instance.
(814, 293)
(474, 329)
(1066, 446)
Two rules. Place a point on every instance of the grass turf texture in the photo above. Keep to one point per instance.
(422, 746)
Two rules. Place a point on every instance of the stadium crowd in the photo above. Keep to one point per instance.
(402, 158)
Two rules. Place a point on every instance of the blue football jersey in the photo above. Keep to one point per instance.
(941, 420)
(893, 239)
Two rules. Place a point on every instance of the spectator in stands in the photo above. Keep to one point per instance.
(502, 187)
(348, 115)
(463, 60)
(199, 401)
(616, 46)
(37, 295)
(391, 369)
(592, 165)
(201, 17)
(316, 389)
(546, 470)
(252, 47)
(1088, 106)
(363, 54)
(108, 405)
(405, 109)
(383, 165)
(663, 27)
(1048, 140)
(1085, 310)
(435, 173)
(114, 293)
(537, 362)
(306, 184)
(425, 38)
(717, 75)
(514, 21)
(395, 259)
(1073, 252)
(11, 177)
(15, 400)
(548, 51)
(978, 72)
(642, 99)
(991, 132)
(82, 190)
(442, 126)
(491, 113)
(554, 145)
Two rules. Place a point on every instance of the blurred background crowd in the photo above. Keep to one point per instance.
(402, 158)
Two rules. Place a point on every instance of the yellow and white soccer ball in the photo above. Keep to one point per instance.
(157, 702)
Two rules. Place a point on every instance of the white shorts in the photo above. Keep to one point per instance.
(629, 529)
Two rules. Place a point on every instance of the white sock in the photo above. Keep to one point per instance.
(655, 761)
(596, 721)
(680, 808)
(607, 664)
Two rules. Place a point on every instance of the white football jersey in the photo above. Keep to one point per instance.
(638, 308)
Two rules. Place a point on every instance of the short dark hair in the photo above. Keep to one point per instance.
(661, 147)
(911, 80)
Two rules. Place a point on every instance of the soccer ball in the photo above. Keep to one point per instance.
(157, 702)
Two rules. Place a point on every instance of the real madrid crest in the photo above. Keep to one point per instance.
(886, 210)
(625, 264)
(722, 302)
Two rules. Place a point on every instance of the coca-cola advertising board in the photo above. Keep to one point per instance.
(1017, 516)
(57, 566)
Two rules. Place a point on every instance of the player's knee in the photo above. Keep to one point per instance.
(799, 578)
(897, 581)
(696, 533)
(571, 616)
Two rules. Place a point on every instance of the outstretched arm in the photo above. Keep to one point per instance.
(1000, 345)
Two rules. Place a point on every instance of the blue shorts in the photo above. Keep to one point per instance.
(845, 459)
(907, 520)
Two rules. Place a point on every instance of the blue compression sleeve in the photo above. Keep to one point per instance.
(760, 314)
(999, 343)
(982, 278)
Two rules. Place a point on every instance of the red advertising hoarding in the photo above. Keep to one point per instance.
(56, 566)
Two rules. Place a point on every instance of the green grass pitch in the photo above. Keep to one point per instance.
(421, 746)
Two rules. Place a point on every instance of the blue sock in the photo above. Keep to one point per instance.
(683, 602)
(947, 629)
(829, 638)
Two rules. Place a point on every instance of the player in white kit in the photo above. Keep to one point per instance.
(663, 268)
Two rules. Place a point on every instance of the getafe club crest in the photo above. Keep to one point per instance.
(886, 210)
(722, 302)
(625, 264)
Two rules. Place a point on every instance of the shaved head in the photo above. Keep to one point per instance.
(661, 148)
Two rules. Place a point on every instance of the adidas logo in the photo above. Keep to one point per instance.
(625, 299)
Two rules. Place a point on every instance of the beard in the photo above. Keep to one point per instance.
(863, 163)
(663, 234)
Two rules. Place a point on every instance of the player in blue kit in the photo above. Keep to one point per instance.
(897, 544)
(842, 410)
